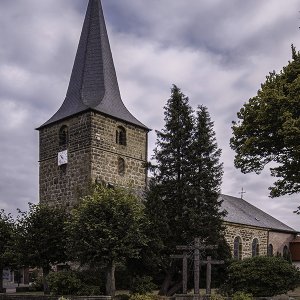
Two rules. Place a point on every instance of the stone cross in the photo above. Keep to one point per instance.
(196, 248)
(208, 262)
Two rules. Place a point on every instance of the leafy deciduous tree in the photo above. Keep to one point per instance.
(6, 236)
(268, 129)
(106, 229)
(41, 237)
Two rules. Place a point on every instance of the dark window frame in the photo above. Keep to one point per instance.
(64, 136)
(237, 248)
(270, 250)
(121, 166)
(255, 247)
(121, 137)
(285, 252)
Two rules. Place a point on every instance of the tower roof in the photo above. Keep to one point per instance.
(93, 84)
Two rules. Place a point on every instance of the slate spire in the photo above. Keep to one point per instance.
(93, 84)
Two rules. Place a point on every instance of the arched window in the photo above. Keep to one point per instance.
(237, 248)
(121, 136)
(285, 253)
(63, 136)
(255, 247)
(270, 250)
(121, 166)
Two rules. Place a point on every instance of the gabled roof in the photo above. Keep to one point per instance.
(240, 211)
(93, 84)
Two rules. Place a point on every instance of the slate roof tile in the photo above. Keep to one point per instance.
(240, 211)
(93, 84)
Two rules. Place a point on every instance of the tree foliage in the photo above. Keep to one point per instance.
(6, 234)
(64, 283)
(173, 168)
(262, 276)
(107, 228)
(41, 237)
(268, 129)
(182, 200)
(204, 209)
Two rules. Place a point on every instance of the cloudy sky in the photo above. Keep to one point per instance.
(217, 51)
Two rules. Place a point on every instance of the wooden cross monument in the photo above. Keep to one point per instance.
(208, 262)
(196, 247)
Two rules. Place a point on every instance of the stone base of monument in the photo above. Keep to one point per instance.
(191, 297)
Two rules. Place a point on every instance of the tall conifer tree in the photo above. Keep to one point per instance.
(182, 199)
(205, 214)
(167, 191)
(171, 154)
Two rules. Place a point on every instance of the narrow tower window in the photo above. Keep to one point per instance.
(237, 248)
(255, 247)
(121, 136)
(63, 136)
(121, 166)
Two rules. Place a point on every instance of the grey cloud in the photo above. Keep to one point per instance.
(217, 51)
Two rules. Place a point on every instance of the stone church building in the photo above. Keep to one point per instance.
(93, 137)
(251, 232)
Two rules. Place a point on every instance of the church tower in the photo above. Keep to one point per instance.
(92, 136)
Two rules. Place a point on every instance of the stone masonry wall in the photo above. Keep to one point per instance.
(279, 240)
(106, 152)
(92, 154)
(65, 183)
(247, 234)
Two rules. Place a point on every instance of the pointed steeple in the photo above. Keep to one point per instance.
(93, 84)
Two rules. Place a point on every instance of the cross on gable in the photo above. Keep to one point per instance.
(242, 193)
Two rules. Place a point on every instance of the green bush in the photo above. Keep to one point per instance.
(142, 297)
(64, 283)
(142, 285)
(89, 290)
(261, 276)
(92, 277)
(37, 285)
(70, 283)
(122, 297)
(216, 297)
(242, 296)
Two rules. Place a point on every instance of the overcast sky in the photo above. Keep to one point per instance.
(217, 51)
